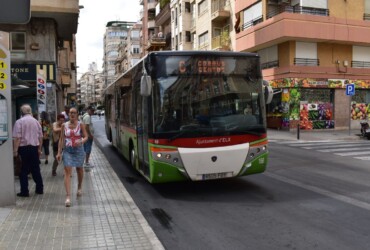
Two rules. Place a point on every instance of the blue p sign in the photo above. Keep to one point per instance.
(350, 89)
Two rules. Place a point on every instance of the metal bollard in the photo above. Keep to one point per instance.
(298, 128)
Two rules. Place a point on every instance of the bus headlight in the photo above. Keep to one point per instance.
(256, 150)
(167, 155)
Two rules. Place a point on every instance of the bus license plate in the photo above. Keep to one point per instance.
(214, 176)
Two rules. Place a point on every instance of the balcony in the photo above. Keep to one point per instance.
(219, 10)
(360, 64)
(164, 15)
(291, 26)
(253, 22)
(65, 14)
(298, 10)
(366, 17)
(306, 62)
(268, 65)
(156, 43)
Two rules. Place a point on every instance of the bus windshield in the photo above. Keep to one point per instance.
(207, 105)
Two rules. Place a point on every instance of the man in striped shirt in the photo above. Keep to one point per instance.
(27, 135)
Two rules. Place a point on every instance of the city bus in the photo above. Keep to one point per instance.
(190, 115)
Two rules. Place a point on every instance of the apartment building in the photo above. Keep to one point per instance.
(161, 38)
(46, 44)
(90, 87)
(311, 51)
(148, 30)
(116, 33)
(211, 24)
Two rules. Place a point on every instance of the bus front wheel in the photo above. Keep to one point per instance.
(132, 157)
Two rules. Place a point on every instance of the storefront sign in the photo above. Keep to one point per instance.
(318, 83)
(28, 72)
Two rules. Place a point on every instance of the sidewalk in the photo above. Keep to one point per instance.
(105, 217)
(314, 135)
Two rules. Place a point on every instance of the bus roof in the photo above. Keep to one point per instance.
(200, 53)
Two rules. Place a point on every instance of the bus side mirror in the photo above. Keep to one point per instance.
(269, 92)
(146, 85)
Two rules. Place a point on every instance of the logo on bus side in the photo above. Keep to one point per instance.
(210, 141)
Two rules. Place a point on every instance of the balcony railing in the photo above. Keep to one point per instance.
(366, 16)
(360, 64)
(268, 65)
(306, 62)
(298, 10)
(252, 23)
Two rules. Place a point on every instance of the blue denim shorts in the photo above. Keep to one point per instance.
(88, 146)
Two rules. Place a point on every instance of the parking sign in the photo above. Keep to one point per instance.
(350, 89)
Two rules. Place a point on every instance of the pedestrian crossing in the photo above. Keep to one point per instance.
(359, 149)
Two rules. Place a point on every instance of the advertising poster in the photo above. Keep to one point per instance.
(41, 91)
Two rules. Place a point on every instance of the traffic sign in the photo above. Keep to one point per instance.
(350, 89)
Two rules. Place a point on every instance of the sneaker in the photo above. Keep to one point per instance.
(86, 165)
(23, 195)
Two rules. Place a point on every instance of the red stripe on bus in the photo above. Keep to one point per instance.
(202, 142)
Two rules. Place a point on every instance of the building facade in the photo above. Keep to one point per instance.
(115, 34)
(310, 52)
(45, 45)
(211, 25)
(90, 87)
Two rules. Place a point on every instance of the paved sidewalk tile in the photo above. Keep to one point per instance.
(104, 217)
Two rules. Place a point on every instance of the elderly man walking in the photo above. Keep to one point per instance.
(27, 135)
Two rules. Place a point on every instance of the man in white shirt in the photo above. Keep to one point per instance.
(86, 119)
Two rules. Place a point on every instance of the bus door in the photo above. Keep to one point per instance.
(117, 118)
(118, 123)
(142, 120)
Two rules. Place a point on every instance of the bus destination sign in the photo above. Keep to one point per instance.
(204, 67)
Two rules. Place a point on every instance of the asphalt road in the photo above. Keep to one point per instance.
(305, 200)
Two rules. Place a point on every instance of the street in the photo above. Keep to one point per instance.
(314, 195)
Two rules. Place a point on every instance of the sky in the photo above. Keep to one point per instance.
(91, 27)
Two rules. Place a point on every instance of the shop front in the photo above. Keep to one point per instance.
(28, 87)
(317, 104)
